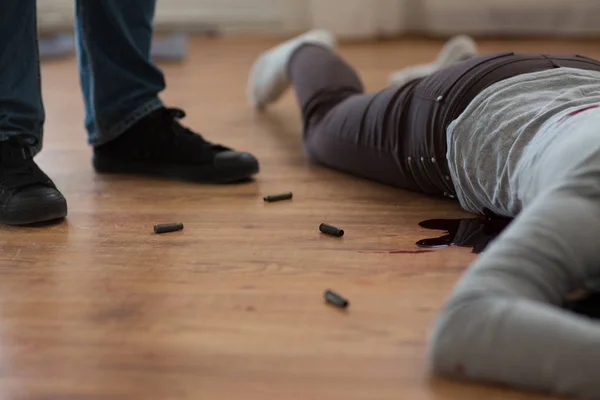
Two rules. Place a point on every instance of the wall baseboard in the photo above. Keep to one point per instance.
(510, 17)
(164, 48)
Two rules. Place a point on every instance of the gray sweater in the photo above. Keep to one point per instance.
(517, 151)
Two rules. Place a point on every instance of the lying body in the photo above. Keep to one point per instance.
(518, 134)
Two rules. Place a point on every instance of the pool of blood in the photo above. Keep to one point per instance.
(477, 233)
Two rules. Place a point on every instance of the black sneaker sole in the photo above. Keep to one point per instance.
(194, 173)
(33, 213)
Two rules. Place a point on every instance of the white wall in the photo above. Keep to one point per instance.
(352, 18)
(360, 18)
(371, 18)
(515, 17)
(251, 15)
(363, 18)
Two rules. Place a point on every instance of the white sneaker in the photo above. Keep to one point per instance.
(268, 78)
(456, 49)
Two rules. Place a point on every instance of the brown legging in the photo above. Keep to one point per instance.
(397, 136)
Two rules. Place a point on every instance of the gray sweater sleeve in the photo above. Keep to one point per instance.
(503, 322)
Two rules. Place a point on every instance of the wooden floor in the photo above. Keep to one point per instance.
(231, 308)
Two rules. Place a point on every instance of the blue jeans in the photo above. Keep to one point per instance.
(119, 81)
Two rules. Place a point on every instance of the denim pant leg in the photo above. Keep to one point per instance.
(119, 81)
(21, 107)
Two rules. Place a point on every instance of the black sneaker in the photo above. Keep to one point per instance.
(27, 195)
(159, 145)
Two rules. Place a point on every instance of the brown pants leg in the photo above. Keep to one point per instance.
(397, 136)
(344, 128)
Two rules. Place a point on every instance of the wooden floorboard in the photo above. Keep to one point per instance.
(230, 308)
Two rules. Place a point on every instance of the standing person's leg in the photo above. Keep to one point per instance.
(21, 108)
(130, 129)
(119, 81)
(27, 195)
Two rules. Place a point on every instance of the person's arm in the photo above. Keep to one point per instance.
(503, 322)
